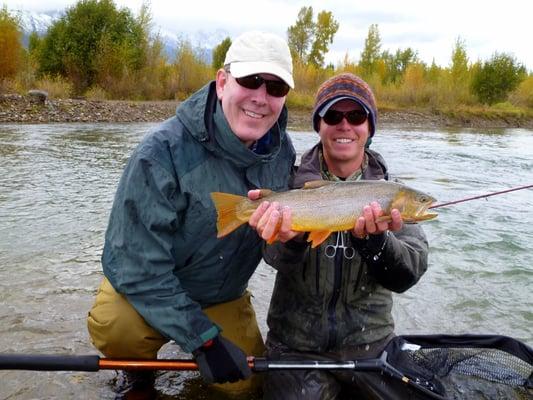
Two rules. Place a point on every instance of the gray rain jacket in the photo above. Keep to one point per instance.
(161, 249)
(326, 304)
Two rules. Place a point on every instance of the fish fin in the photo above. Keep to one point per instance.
(384, 218)
(316, 184)
(275, 235)
(226, 206)
(317, 237)
(272, 238)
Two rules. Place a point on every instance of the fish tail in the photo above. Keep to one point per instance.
(227, 219)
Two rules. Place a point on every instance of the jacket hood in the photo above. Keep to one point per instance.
(191, 112)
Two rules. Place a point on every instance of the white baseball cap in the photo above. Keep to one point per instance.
(258, 52)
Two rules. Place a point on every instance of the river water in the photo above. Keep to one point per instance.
(57, 184)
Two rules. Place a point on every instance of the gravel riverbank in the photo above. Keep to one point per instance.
(22, 109)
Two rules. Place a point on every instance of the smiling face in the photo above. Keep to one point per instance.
(344, 144)
(250, 112)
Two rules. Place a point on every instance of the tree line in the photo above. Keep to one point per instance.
(101, 51)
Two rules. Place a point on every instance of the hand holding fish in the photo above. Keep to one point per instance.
(369, 224)
(270, 218)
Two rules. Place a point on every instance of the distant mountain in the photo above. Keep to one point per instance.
(40, 22)
(203, 41)
(36, 22)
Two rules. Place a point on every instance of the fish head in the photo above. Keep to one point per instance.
(413, 205)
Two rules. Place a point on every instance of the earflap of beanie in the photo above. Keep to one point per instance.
(372, 125)
(315, 118)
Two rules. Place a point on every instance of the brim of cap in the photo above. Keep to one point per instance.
(335, 100)
(245, 68)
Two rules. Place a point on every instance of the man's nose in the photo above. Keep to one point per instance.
(260, 94)
(344, 124)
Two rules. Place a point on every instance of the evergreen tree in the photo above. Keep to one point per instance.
(397, 63)
(496, 78)
(219, 53)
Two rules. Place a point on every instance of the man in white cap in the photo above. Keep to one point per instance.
(167, 276)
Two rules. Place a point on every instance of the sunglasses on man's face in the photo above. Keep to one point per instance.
(354, 117)
(273, 88)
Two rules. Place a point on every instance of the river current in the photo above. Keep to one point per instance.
(57, 184)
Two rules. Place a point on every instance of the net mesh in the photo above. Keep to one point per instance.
(489, 364)
(465, 372)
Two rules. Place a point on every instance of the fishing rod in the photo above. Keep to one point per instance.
(481, 196)
(93, 363)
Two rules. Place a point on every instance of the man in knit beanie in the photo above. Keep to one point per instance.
(345, 116)
(334, 301)
(341, 87)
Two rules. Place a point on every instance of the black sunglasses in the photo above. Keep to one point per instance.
(273, 88)
(354, 117)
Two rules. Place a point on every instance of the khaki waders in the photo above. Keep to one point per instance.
(118, 331)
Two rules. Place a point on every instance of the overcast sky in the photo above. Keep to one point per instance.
(429, 27)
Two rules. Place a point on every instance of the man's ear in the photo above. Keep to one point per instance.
(221, 81)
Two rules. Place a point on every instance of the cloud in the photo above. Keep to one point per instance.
(428, 27)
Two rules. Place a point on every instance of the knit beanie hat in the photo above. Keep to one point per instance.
(340, 87)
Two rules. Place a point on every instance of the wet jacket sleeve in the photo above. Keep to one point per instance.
(397, 260)
(139, 259)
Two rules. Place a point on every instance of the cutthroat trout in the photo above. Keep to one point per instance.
(323, 207)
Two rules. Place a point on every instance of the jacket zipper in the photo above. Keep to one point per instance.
(337, 280)
(317, 271)
(359, 275)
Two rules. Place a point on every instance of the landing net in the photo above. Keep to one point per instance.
(463, 367)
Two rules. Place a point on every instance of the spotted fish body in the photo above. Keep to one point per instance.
(323, 207)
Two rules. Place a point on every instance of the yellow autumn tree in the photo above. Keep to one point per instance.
(10, 45)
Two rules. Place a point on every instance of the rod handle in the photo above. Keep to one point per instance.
(49, 362)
